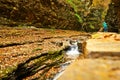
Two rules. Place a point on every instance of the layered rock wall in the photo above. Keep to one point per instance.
(65, 14)
(113, 16)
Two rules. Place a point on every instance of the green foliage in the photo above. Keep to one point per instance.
(89, 14)
(74, 6)
(60, 14)
(91, 26)
(79, 18)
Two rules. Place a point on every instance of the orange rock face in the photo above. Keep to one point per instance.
(103, 63)
(103, 44)
(106, 35)
(95, 69)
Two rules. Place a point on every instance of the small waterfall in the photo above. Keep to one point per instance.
(71, 52)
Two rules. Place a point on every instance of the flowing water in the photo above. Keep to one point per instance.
(63, 67)
(72, 52)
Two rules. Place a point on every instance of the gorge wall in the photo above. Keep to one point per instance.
(84, 15)
(113, 16)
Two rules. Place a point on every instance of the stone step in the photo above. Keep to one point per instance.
(103, 68)
(104, 45)
(92, 69)
(99, 47)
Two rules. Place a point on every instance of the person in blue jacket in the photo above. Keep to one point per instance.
(105, 26)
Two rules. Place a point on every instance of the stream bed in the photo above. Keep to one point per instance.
(29, 54)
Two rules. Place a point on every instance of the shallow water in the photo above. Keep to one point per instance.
(63, 67)
(72, 53)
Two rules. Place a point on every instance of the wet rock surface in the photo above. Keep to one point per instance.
(102, 61)
(33, 53)
(103, 44)
(92, 69)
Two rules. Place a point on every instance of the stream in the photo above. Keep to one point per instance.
(63, 67)
(72, 52)
(49, 65)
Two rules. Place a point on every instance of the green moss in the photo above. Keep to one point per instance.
(96, 35)
(56, 54)
(51, 52)
(52, 30)
(40, 62)
(36, 49)
(5, 72)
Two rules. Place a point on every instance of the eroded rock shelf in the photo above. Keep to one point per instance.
(102, 60)
(33, 53)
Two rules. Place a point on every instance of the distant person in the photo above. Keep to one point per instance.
(105, 26)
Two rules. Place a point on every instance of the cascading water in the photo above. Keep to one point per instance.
(71, 52)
